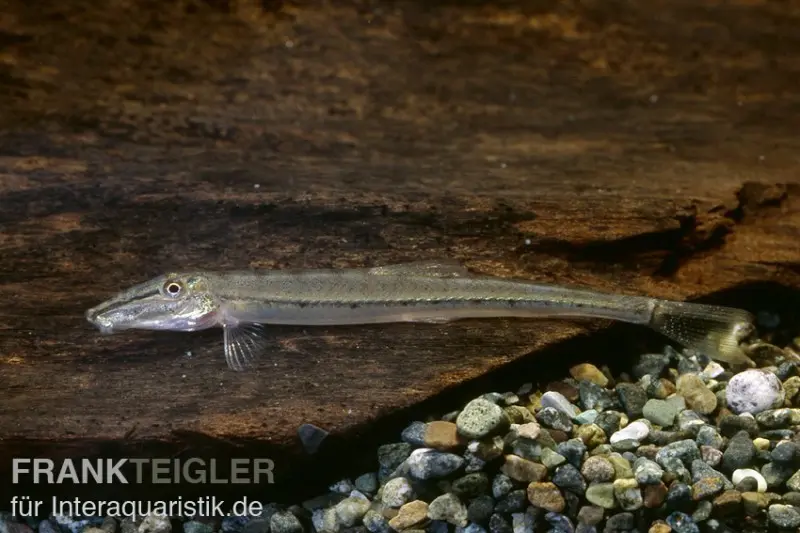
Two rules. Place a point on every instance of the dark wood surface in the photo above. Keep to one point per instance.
(647, 148)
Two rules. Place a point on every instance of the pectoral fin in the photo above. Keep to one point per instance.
(243, 342)
(446, 268)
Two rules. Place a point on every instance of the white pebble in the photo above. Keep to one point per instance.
(753, 391)
(558, 401)
(742, 473)
(712, 370)
(637, 431)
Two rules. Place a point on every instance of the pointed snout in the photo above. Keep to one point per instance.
(99, 319)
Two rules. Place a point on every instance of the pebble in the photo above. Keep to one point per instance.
(632, 397)
(375, 522)
(597, 469)
(742, 473)
(426, 463)
(785, 452)
(514, 501)
(698, 397)
(192, 526)
(522, 523)
(647, 472)
(635, 431)
(709, 436)
(545, 495)
(659, 527)
(620, 522)
(682, 523)
(661, 412)
(592, 435)
(553, 418)
(449, 508)
(441, 435)
(498, 524)
(602, 495)
(569, 478)
(523, 470)
(739, 453)
(529, 430)
(390, 456)
(480, 509)
(794, 482)
(655, 495)
(480, 418)
(628, 494)
(471, 485)
(711, 456)
(414, 434)
(367, 483)
(558, 401)
(573, 450)
(285, 522)
(501, 485)
(652, 364)
(594, 396)
(410, 515)
(784, 516)
(155, 524)
(754, 390)
(589, 372)
(351, 510)
(397, 492)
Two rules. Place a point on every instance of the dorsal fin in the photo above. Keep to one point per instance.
(441, 268)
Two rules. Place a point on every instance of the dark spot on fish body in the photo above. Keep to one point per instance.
(354, 305)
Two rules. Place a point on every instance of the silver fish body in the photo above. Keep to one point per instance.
(431, 291)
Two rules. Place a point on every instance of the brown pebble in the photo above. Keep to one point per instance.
(531, 430)
(659, 527)
(698, 396)
(588, 372)
(654, 495)
(545, 495)
(410, 515)
(558, 435)
(728, 503)
(524, 470)
(442, 435)
(570, 392)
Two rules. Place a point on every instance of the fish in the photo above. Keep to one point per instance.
(242, 303)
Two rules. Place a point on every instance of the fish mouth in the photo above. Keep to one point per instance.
(102, 323)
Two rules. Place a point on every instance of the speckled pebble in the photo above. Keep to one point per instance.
(522, 522)
(449, 508)
(597, 469)
(285, 522)
(545, 495)
(628, 494)
(739, 452)
(351, 510)
(591, 435)
(784, 516)
(529, 430)
(647, 472)
(426, 463)
(397, 492)
(632, 397)
(480, 418)
(754, 390)
(155, 524)
(553, 418)
(682, 523)
(376, 522)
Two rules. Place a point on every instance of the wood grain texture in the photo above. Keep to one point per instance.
(646, 148)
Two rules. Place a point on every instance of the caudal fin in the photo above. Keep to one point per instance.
(712, 330)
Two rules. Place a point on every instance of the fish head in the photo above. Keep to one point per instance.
(173, 302)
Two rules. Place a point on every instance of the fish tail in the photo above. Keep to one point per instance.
(712, 330)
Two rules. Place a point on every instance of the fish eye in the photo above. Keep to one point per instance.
(172, 288)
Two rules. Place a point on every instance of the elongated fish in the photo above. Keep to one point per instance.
(427, 291)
